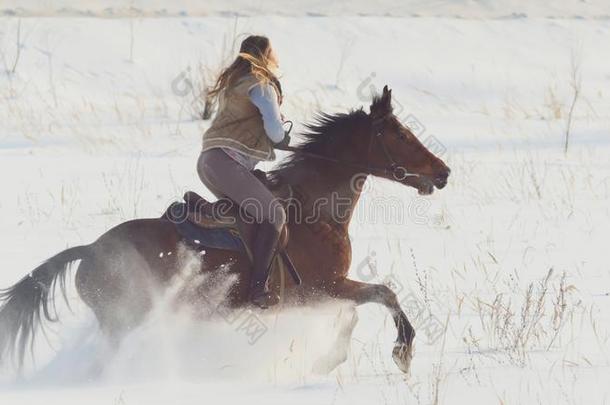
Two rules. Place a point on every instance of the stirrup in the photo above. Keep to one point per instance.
(264, 299)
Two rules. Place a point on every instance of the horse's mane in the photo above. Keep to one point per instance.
(324, 131)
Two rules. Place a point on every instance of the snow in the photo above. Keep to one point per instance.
(96, 128)
(310, 8)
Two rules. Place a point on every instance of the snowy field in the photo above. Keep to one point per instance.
(504, 272)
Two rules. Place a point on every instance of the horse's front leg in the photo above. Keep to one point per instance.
(363, 293)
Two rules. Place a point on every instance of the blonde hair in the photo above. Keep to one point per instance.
(253, 57)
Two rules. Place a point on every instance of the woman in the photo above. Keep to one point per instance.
(245, 130)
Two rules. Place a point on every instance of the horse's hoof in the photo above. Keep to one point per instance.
(402, 355)
(325, 365)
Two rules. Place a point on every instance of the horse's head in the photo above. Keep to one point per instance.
(394, 152)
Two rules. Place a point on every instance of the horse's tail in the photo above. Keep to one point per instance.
(23, 305)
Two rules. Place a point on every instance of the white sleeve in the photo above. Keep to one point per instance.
(264, 97)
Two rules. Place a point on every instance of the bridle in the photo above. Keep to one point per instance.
(397, 171)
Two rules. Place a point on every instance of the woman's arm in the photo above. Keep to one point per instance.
(263, 96)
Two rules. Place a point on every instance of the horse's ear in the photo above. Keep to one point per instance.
(382, 104)
(387, 96)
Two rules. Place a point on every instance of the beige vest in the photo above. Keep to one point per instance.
(238, 124)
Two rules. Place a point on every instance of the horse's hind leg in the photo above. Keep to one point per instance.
(102, 289)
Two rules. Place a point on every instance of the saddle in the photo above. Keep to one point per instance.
(225, 213)
(223, 225)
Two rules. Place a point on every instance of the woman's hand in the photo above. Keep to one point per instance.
(284, 144)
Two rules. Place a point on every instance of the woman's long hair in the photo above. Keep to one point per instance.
(253, 58)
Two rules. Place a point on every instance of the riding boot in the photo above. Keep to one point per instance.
(264, 248)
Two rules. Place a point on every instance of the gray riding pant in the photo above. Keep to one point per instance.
(225, 177)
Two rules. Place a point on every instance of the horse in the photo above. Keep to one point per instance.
(118, 274)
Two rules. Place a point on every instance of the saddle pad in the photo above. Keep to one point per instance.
(205, 222)
(200, 238)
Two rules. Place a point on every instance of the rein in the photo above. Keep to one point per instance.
(393, 168)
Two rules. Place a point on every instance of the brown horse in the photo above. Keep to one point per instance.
(119, 273)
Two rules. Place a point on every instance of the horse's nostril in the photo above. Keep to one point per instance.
(441, 178)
